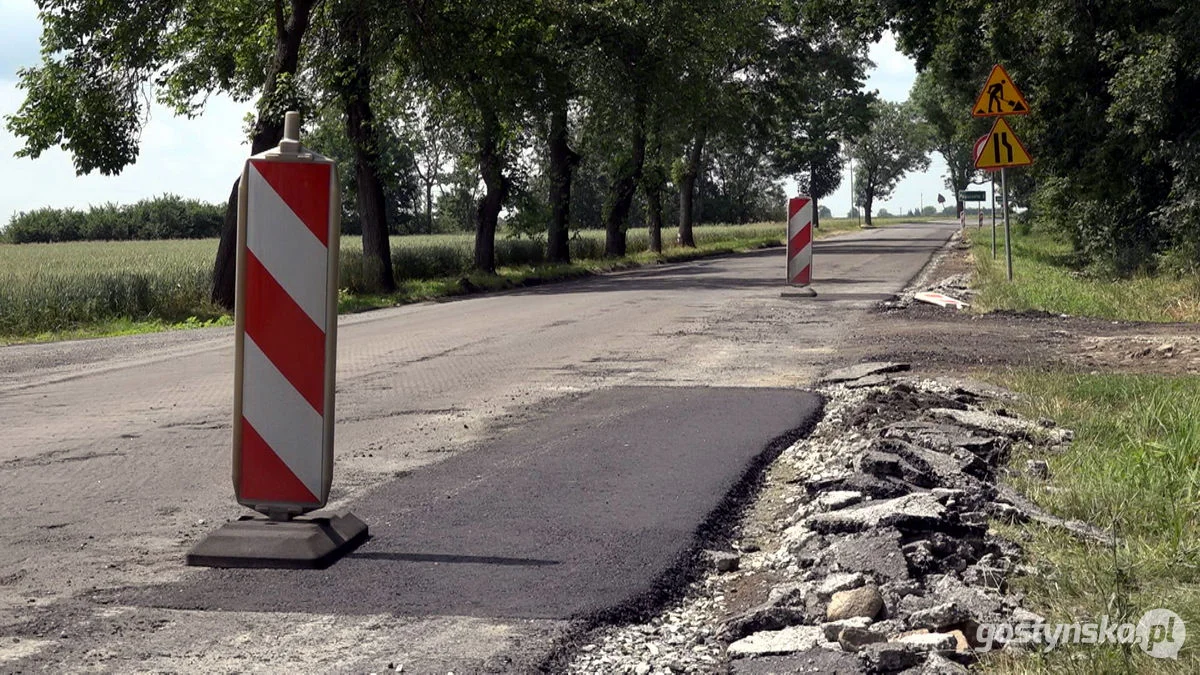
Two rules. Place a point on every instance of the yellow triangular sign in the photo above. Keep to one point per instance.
(1003, 149)
(1000, 96)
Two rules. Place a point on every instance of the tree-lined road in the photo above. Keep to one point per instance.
(116, 460)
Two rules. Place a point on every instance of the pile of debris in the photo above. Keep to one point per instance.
(869, 550)
(953, 291)
(889, 559)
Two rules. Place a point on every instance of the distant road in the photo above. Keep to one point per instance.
(582, 406)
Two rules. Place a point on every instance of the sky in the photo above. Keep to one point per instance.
(199, 158)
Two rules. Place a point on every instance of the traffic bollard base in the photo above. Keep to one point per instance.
(799, 292)
(308, 542)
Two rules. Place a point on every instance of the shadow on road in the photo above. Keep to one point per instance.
(455, 559)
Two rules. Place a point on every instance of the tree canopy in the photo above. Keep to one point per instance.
(1111, 87)
(494, 110)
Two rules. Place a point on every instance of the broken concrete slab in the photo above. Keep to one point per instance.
(938, 617)
(839, 499)
(792, 594)
(890, 657)
(868, 381)
(833, 629)
(810, 662)
(875, 553)
(853, 638)
(835, 583)
(931, 641)
(936, 664)
(765, 617)
(785, 641)
(919, 510)
(861, 370)
(1013, 427)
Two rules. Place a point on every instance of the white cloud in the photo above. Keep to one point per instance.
(893, 77)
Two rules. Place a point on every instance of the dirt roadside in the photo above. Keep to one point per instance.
(945, 341)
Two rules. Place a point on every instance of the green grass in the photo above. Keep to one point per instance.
(1134, 468)
(1045, 279)
(86, 289)
(90, 289)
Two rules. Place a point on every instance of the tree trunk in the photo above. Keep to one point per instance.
(562, 164)
(867, 201)
(429, 207)
(624, 186)
(654, 206)
(268, 130)
(687, 190)
(487, 214)
(354, 32)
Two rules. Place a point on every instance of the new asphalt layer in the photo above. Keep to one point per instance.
(594, 509)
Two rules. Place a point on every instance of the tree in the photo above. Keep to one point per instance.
(397, 171)
(98, 57)
(1111, 88)
(813, 98)
(360, 40)
(943, 104)
(479, 58)
(897, 142)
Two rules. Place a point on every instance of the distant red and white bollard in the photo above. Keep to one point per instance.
(800, 247)
(289, 220)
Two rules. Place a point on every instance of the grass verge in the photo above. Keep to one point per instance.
(1135, 468)
(1045, 279)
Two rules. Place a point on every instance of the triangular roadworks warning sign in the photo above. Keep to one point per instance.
(1000, 96)
(1002, 149)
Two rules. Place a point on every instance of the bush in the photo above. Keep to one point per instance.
(165, 217)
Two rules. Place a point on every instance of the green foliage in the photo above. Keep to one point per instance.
(165, 217)
(1051, 277)
(1133, 468)
(896, 143)
(396, 170)
(1112, 90)
(67, 287)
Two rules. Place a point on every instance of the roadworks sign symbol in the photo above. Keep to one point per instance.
(1003, 149)
(1000, 96)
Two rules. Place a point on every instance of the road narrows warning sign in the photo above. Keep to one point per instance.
(1000, 96)
(1002, 149)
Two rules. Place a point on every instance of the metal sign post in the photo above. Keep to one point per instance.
(1007, 231)
(993, 215)
(1001, 148)
(289, 220)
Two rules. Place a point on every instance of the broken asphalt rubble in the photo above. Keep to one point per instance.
(869, 548)
(888, 551)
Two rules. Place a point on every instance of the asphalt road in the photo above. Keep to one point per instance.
(524, 459)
